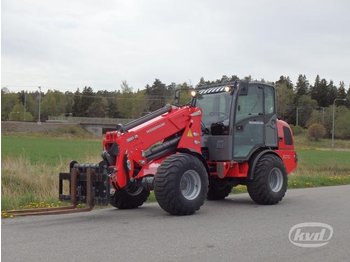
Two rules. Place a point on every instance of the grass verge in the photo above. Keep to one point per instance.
(30, 167)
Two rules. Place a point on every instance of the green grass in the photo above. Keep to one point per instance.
(30, 165)
(48, 150)
(303, 142)
(324, 161)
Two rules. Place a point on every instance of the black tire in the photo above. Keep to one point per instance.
(270, 181)
(181, 184)
(218, 189)
(129, 197)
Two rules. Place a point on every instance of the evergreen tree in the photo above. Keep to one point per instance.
(77, 108)
(88, 97)
(155, 95)
(320, 92)
(315, 88)
(201, 82)
(332, 93)
(301, 87)
(323, 92)
(285, 81)
(341, 90)
(98, 108)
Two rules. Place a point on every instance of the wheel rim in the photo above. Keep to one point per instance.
(190, 184)
(276, 179)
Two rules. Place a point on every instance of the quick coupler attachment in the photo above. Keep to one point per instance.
(100, 184)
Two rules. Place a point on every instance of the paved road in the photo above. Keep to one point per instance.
(230, 230)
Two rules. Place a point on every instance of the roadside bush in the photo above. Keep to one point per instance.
(297, 130)
(316, 131)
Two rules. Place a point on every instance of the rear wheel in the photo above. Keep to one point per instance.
(218, 189)
(270, 181)
(181, 184)
(129, 197)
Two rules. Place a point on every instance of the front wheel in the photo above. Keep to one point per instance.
(181, 184)
(270, 181)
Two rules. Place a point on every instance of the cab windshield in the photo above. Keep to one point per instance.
(215, 107)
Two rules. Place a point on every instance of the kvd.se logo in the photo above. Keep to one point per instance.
(310, 234)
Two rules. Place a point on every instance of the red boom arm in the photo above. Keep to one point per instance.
(180, 128)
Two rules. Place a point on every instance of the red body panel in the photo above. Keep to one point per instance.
(286, 151)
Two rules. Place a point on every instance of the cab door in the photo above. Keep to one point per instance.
(249, 126)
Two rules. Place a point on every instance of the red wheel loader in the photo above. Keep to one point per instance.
(228, 135)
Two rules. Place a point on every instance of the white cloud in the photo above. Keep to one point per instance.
(70, 44)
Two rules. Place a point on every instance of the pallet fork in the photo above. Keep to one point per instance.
(88, 183)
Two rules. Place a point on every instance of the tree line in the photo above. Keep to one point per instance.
(300, 104)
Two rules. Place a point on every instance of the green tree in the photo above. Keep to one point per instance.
(201, 82)
(19, 113)
(301, 87)
(320, 92)
(113, 111)
(87, 98)
(69, 97)
(125, 100)
(306, 106)
(341, 90)
(156, 95)
(332, 93)
(322, 96)
(315, 88)
(98, 108)
(285, 100)
(48, 105)
(8, 101)
(140, 107)
(342, 123)
(285, 81)
(32, 104)
(77, 104)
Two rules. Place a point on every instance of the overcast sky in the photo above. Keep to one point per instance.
(67, 44)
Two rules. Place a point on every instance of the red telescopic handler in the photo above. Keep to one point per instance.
(228, 135)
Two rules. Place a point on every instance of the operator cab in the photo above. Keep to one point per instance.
(238, 118)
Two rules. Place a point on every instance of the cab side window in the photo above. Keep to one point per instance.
(250, 104)
(269, 100)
